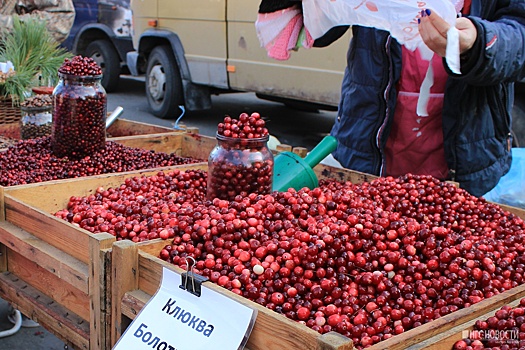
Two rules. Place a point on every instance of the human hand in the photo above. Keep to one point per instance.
(433, 30)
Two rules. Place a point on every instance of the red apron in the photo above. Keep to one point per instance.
(415, 144)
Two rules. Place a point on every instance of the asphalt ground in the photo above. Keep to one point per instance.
(26, 338)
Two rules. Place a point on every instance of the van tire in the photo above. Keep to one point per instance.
(163, 83)
(106, 56)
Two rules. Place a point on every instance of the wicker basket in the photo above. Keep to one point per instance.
(9, 113)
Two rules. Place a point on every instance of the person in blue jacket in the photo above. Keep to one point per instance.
(466, 136)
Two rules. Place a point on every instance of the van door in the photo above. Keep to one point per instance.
(312, 75)
(201, 28)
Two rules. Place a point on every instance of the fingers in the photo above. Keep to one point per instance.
(433, 30)
(467, 33)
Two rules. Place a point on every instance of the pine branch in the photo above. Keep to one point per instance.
(33, 52)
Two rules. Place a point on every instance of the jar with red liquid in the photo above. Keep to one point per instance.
(241, 163)
(79, 109)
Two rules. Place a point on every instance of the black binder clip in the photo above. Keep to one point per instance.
(190, 281)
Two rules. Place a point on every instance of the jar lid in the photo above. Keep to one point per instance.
(43, 90)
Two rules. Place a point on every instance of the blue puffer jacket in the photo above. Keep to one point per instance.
(477, 104)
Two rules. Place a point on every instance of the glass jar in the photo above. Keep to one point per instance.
(36, 121)
(239, 167)
(79, 116)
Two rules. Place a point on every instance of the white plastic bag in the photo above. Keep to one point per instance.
(510, 189)
(399, 17)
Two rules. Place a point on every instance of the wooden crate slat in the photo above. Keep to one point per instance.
(445, 323)
(57, 232)
(133, 301)
(153, 247)
(97, 289)
(66, 325)
(124, 127)
(119, 128)
(516, 211)
(2, 206)
(106, 288)
(342, 175)
(198, 146)
(184, 145)
(124, 270)
(167, 143)
(49, 284)
(55, 261)
(446, 340)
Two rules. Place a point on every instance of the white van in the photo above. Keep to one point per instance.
(189, 49)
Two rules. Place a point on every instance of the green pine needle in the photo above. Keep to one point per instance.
(35, 55)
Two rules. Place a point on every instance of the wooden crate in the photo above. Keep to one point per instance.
(57, 273)
(182, 144)
(53, 271)
(86, 288)
(125, 127)
(136, 276)
(446, 340)
(119, 128)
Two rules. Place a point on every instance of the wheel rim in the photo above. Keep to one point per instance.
(99, 60)
(157, 83)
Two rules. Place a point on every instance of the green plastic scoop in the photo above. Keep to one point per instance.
(292, 171)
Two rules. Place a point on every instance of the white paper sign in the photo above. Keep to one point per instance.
(177, 319)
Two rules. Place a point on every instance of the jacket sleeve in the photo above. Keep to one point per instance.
(268, 6)
(498, 54)
(330, 36)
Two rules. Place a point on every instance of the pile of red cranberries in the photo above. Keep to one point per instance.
(142, 208)
(241, 163)
(32, 161)
(80, 66)
(503, 331)
(368, 261)
(80, 105)
(247, 126)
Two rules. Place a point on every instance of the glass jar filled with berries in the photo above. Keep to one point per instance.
(79, 109)
(37, 117)
(241, 163)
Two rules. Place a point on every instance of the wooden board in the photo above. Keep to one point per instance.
(447, 339)
(68, 327)
(120, 127)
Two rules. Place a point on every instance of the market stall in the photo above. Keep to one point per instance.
(352, 261)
